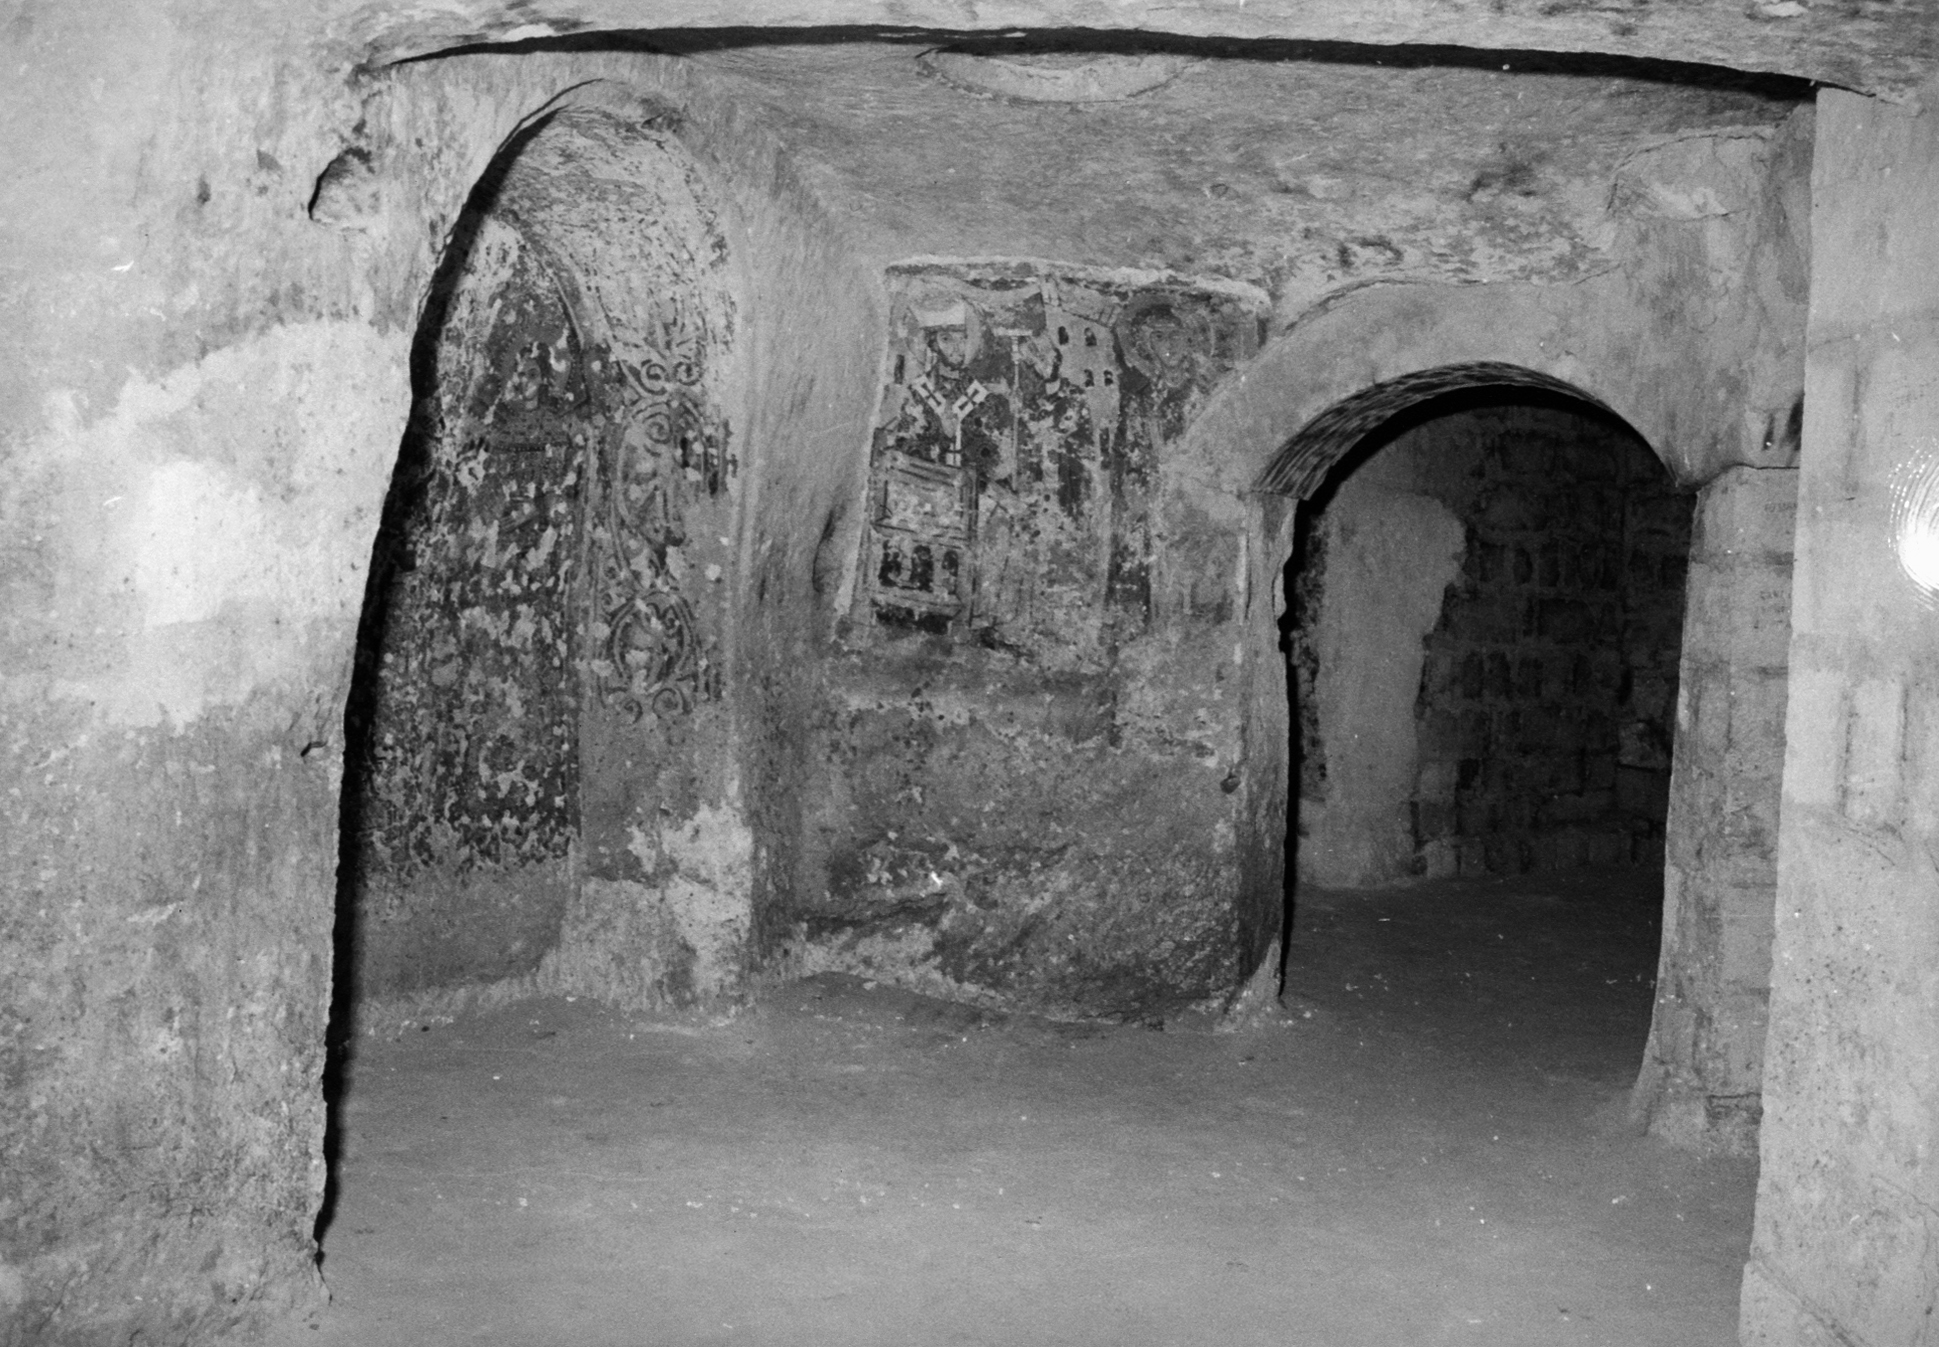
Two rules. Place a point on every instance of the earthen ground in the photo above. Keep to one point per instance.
(1431, 1146)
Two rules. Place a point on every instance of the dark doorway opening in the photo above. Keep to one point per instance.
(1484, 628)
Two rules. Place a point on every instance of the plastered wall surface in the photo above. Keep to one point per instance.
(1846, 1247)
(222, 230)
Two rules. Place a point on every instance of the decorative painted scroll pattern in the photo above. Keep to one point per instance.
(640, 257)
(661, 441)
(1015, 456)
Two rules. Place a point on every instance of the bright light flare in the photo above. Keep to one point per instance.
(1915, 522)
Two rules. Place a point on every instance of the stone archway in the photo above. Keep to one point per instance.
(1298, 469)
(1487, 599)
(540, 774)
(1315, 390)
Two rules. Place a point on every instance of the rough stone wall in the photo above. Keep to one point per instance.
(1521, 719)
(1704, 1068)
(202, 391)
(1846, 1245)
(1036, 726)
(1310, 178)
(462, 732)
(1690, 330)
(207, 382)
(1888, 50)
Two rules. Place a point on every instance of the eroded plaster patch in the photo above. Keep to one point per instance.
(710, 894)
(236, 495)
(678, 939)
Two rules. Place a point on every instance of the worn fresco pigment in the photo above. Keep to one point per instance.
(462, 795)
(639, 249)
(1034, 731)
(543, 757)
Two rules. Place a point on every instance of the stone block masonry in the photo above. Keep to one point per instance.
(1846, 1247)
(1704, 1068)
(1555, 653)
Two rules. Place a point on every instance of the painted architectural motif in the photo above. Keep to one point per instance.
(462, 728)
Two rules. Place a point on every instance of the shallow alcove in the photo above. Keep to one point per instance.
(535, 729)
(462, 781)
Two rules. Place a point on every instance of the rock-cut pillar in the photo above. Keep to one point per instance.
(1703, 1072)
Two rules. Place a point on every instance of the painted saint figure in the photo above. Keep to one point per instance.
(951, 416)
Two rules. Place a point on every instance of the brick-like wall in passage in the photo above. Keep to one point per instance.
(1548, 689)
(1487, 615)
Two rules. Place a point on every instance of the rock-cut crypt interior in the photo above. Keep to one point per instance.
(652, 501)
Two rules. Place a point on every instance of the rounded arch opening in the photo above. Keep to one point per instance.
(1384, 356)
(1377, 412)
(1484, 632)
(536, 669)
(1484, 624)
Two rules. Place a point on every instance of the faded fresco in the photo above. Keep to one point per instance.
(1015, 456)
(622, 223)
(661, 442)
(531, 644)
(463, 725)
(1039, 651)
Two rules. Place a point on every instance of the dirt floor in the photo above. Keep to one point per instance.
(1429, 1146)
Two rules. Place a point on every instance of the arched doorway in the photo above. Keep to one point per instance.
(536, 736)
(1485, 628)
(1702, 1067)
